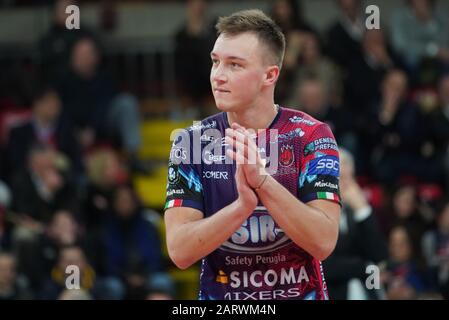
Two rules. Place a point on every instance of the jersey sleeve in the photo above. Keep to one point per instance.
(320, 169)
(184, 185)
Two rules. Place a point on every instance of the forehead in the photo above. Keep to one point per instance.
(245, 45)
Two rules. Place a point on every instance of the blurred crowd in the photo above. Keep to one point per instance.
(69, 139)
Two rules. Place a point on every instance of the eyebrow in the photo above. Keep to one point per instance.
(212, 54)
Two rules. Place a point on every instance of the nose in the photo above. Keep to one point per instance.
(217, 75)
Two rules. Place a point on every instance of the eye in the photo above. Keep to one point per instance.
(214, 62)
(235, 65)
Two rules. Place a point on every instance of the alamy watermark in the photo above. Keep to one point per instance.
(73, 20)
(72, 280)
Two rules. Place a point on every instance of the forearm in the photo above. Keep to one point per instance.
(196, 239)
(310, 228)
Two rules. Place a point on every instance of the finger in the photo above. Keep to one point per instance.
(236, 155)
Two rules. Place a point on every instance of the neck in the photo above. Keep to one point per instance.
(258, 116)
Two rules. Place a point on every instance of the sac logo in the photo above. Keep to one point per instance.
(258, 234)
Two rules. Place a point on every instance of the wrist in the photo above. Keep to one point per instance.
(262, 184)
(242, 208)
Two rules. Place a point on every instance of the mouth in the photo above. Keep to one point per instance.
(216, 90)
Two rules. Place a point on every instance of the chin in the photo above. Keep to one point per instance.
(224, 106)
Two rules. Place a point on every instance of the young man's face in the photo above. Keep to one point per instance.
(238, 70)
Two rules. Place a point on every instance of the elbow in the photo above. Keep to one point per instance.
(323, 251)
(180, 260)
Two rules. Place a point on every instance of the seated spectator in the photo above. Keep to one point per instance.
(435, 246)
(344, 37)
(288, 14)
(63, 230)
(365, 74)
(314, 65)
(41, 189)
(419, 31)
(105, 172)
(131, 243)
(12, 285)
(54, 47)
(94, 105)
(360, 240)
(88, 281)
(193, 43)
(312, 98)
(38, 192)
(395, 131)
(45, 127)
(406, 210)
(402, 276)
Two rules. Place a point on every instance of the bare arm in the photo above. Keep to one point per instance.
(190, 236)
(312, 226)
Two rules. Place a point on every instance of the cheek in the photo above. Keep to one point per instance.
(246, 84)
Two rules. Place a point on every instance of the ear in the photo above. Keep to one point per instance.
(271, 75)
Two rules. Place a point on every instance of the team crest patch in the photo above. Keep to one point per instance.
(286, 157)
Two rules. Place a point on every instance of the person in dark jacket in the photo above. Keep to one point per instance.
(360, 241)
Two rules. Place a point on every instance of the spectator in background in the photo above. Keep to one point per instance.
(406, 210)
(365, 73)
(45, 127)
(395, 130)
(194, 41)
(402, 276)
(435, 244)
(12, 285)
(96, 108)
(62, 231)
(344, 37)
(55, 46)
(312, 97)
(288, 14)
(41, 189)
(97, 287)
(314, 65)
(71, 255)
(360, 242)
(438, 122)
(132, 243)
(105, 172)
(419, 32)
(38, 192)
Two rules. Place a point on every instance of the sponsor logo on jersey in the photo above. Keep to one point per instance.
(219, 175)
(178, 153)
(174, 191)
(173, 175)
(200, 126)
(298, 132)
(298, 119)
(319, 145)
(210, 158)
(258, 234)
(270, 277)
(323, 184)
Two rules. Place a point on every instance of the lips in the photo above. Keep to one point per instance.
(219, 90)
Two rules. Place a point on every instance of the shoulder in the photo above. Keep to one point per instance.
(296, 118)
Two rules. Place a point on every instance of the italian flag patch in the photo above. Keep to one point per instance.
(173, 203)
(328, 196)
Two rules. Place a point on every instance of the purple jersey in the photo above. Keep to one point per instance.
(259, 261)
